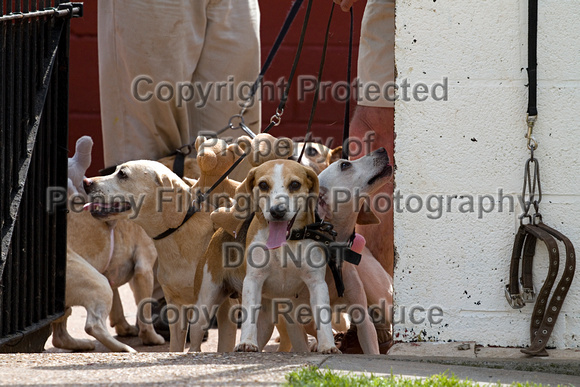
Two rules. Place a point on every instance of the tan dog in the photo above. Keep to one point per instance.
(123, 253)
(86, 287)
(281, 192)
(156, 199)
(97, 266)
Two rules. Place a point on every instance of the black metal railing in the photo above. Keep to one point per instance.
(34, 44)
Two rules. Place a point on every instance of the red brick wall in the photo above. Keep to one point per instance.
(84, 83)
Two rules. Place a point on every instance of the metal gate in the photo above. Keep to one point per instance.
(34, 43)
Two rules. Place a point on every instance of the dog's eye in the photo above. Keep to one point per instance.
(345, 165)
(263, 186)
(122, 174)
(295, 186)
(311, 151)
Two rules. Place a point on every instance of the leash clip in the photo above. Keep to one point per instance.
(277, 118)
(532, 143)
(327, 228)
(515, 300)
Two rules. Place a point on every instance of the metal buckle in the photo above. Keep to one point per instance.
(515, 300)
(528, 295)
(185, 150)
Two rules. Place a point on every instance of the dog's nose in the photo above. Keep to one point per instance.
(278, 211)
(87, 185)
(382, 152)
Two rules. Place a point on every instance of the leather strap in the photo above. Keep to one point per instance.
(513, 295)
(180, 155)
(179, 164)
(318, 80)
(546, 309)
(545, 314)
(527, 266)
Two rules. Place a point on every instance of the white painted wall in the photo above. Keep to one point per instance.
(460, 262)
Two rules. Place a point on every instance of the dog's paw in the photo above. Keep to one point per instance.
(127, 349)
(329, 351)
(126, 330)
(151, 338)
(246, 347)
(80, 345)
(312, 345)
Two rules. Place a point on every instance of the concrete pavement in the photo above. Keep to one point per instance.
(153, 365)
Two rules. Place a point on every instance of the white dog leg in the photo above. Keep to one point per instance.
(211, 296)
(251, 303)
(320, 302)
(366, 332)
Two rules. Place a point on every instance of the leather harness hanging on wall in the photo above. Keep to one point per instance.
(545, 313)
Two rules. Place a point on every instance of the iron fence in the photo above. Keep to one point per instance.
(34, 43)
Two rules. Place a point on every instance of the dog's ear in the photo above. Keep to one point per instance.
(247, 185)
(367, 216)
(243, 206)
(244, 143)
(334, 155)
(312, 177)
(323, 206)
(284, 147)
(199, 141)
(174, 203)
(162, 180)
(227, 219)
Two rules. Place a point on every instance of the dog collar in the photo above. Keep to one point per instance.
(337, 253)
(190, 212)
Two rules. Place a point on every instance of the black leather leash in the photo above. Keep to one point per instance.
(346, 124)
(193, 208)
(346, 127)
(545, 312)
(318, 80)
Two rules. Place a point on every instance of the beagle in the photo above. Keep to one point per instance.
(283, 197)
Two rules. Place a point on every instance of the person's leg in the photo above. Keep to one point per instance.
(142, 44)
(229, 64)
(375, 113)
(380, 121)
